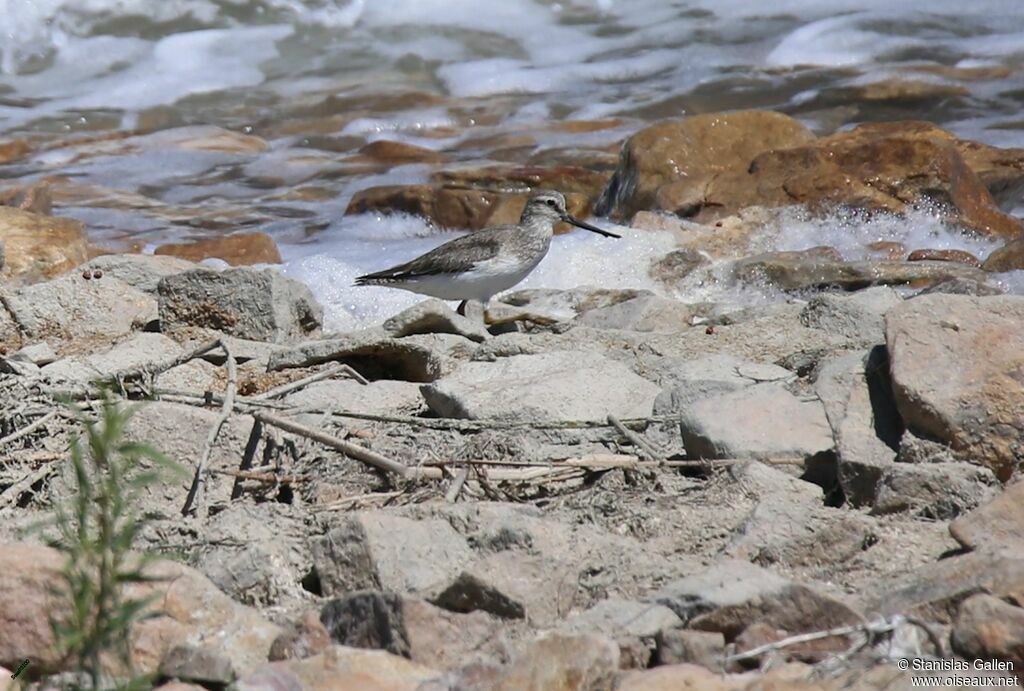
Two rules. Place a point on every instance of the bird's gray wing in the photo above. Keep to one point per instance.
(454, 256)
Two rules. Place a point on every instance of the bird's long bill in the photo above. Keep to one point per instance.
(569, 218)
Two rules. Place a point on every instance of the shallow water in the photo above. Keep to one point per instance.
(317, 79)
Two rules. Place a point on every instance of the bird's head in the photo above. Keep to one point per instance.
(549, 205)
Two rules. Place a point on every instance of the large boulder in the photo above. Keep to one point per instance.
(956, 364)
(72, 307)
(711, 166)
(549, 386)
(247, 303)
(697, 150)
(762, 421)
(188, 609)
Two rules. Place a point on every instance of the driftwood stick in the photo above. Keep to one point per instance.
(29, 428)
(718, 462)
(306, 381)
(457, 484)
(871, 628)
(11, 494)
(228, 407)
(360, 453)
(642, 445)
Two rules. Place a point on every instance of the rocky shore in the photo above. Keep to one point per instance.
(599, 488)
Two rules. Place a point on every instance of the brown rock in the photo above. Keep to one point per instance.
(676, 678)
(888, 250)
(704, 648)
(456, 208)
(38, 247)
(552, 662)
(877, 166)
(1009, 257)
(795, 608)
(397, 153)
(13, 150)
(989, 629)
(956, 256)
(304, 638)
(27, 572)
(565, 179)
(445, 640)
(692, 152)
(35, 198)
(242, 249)
(899, 90)
(760, 633)
(974, 402)
(677, 265)
(340, 669)
(934, 591)
(997, 525)
(192, 611)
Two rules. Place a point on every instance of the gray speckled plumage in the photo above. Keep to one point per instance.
(481, 264)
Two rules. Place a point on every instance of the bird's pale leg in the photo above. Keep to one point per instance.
(473, 310)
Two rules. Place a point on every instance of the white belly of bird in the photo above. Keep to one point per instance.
(485, 280)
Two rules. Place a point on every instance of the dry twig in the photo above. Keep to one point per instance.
(306, 381)
(29, 428)
(228, 407)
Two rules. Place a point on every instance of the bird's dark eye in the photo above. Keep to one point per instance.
(550, 202)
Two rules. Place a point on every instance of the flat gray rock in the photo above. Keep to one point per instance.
(763, 421)
(141, 271)
(375, 550)
(643, 313)
(858, 316)
(434, 316)
(257, 304)
(616, 617)
(857, 395)
(137, 351)
(70, 307)
(549, 386)
(418, 358)
(937, 491)
(686, 381)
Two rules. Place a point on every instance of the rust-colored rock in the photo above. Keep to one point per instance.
(38, 247)
(997, 525)
(988, 628)
(35, 198)
(242, 249)
(1009, 257)
(191, 610)
(696, 150)
(398, 153)
(974, 401)
(521, 179)
(955, 256)
(455, 208)
(13, 150)
(889, 167)
(888, 249)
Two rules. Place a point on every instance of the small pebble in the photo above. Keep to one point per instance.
(710, 330)
(87, 275)
(97, 274)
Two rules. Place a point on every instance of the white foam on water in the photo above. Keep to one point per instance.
(850, 233)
